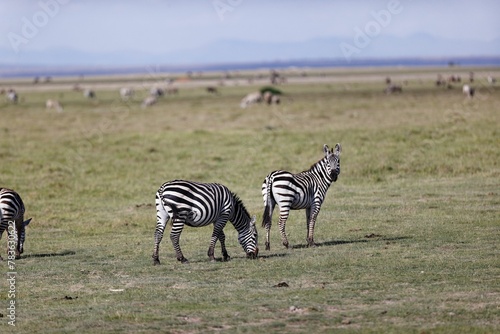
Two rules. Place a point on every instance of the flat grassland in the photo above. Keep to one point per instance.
(407, 237)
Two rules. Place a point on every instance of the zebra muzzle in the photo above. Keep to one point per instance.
(253, 255)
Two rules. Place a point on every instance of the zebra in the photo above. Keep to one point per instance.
(12, 210)
(199, 204)
(305, 190)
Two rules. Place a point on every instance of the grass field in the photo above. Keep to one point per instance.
(408, 235)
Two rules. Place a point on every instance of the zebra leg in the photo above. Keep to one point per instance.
(308, 224)
(222, 240)
(175, 234)
(161, 221)
(281, 225)
(267, 221)
(268, 232)
(218, 234)
(310, 227)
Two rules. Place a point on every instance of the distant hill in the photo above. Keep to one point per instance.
(224, 51)
(414, 50)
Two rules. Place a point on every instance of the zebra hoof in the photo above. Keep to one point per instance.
(268, 246)
(227, 258)
(310, 243)
(183, 260)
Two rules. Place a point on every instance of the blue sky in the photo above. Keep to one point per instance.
(165, 26)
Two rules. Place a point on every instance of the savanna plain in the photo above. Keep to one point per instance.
(407, 238)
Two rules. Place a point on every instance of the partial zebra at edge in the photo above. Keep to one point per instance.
(12, 211)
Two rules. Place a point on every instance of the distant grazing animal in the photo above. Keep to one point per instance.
(156, 92)
(468, 91)
(255, 97)
(491, 80)
(12, 96)
(270, 98)
(440, 81)
(212, 90)
(149, 101)
(275, 99)
(274, 77)
(393, 89)
(89, 93)
(126, 93)
(471, 76)
(12, 210)
(305, 190)
(53, 104)
(200, 204)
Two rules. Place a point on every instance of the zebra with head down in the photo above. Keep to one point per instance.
(200, 204)
(12, 211)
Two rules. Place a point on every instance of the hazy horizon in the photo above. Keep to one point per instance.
(125, 32)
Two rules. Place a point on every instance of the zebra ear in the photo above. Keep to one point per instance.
(26, 222)
(338, 149)
(326, 149)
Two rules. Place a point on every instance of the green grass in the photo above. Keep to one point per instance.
(408, 236)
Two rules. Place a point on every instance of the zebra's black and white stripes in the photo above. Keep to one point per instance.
(305, 190)
(199, 204)
(12, 210)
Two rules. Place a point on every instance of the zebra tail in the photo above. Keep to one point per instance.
(161, 211)
(266, 217)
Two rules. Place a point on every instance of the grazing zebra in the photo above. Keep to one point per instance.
(200, 204)
(12, 210)
(305, 190)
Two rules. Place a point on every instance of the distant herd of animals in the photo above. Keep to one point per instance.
(199, 204)
(269, 94)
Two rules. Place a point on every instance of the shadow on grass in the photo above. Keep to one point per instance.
(242, 258)
(63, 253)
(367, 238)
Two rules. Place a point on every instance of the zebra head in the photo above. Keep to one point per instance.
(21, 236)
(332, 159)
(249, 240)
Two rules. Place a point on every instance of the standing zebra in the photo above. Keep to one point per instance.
(12, 210)
(200, 204)
(305, 190)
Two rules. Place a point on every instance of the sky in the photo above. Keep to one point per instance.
(174, 26)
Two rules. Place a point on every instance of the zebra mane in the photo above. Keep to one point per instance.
(315, 164)
(239, 203)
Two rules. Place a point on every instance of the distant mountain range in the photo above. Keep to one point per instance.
(343, 50)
